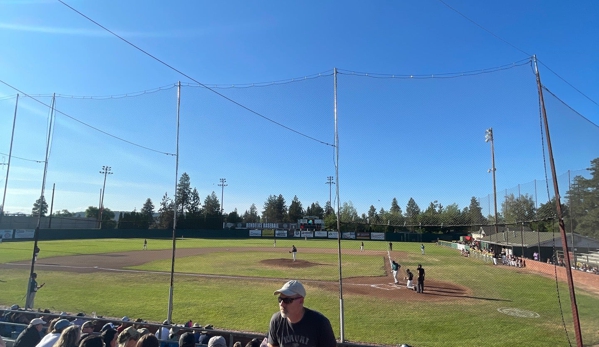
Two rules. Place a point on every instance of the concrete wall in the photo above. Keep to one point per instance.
(579, 277)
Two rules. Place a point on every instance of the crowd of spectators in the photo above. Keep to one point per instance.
(45, 329)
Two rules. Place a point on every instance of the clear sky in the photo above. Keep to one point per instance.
(399, 137)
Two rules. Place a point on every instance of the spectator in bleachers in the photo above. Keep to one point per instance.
(142, 332)
(187, 340)
(237, 344)
(256, 342)
(31, 335)
(51, 325)
(197, 333)
(109, 336)
(92, 341)
(54, 332)
(205, 336)
(69, 337)
(162, 332)
(87, 327)
(79, 320)
(108, 326)
(148, 340)
(126, 323)
(128, 338)
(217, 341)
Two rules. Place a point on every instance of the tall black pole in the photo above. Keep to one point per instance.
(560, 219)
(489, 137)
(175, 209)
(41, 200)
(105, 171)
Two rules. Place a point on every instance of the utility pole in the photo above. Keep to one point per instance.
(105, 171)
(330, 183)
(222, 184)
(489, 138)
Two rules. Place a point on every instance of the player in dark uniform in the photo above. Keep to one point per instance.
(420, 285)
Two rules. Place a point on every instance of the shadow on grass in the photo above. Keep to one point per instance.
(457, 293)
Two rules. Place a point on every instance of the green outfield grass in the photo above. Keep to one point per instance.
(247, 304)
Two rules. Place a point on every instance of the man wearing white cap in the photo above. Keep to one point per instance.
(50, 339)
(31, 335)
(298, 326)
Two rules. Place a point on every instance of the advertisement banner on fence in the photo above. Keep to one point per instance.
(268, 232)
(363, 235)
(377, 236)
(281, 233)
(322, 234)
(309, 234)
(255, 233)
(333, 235)
(350, 235)
(6, 234)
(297, 233)
(24, 233)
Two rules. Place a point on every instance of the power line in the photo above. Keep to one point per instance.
(568, 83)
(439, 75)
(83, 123)
(485, 29)
(193, 79)
(15, 157)
(518, 49)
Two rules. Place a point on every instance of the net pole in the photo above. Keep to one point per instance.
(341, 314)
(560, 219)
(12, 136)
(41, 204)
(175, 209)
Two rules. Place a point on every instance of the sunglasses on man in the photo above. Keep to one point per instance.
(287, 300)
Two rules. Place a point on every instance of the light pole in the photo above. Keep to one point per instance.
(222, 184)
(330, 183)
(105, 171)
(489, 138)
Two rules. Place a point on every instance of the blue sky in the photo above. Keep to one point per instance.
(420, 138)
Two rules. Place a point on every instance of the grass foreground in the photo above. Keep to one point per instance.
(247, 304)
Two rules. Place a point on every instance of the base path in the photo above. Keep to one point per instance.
(377, 286)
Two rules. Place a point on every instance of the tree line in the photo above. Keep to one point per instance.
(580, 212)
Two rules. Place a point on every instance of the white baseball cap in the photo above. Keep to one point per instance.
(36, 321)
(292, 288)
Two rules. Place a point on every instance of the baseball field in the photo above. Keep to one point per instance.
(230, 284)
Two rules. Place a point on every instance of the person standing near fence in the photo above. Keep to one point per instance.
(420, 285)
(33, 288)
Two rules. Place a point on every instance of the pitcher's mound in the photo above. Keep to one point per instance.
(287, 263)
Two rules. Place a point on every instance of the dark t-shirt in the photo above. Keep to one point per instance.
(410, 276)
(421, 274)
(313, 330)
(28, 337)
(32, 285)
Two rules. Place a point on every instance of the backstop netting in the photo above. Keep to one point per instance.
(415, 172)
